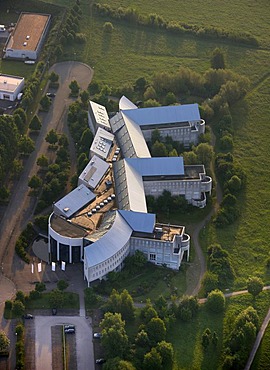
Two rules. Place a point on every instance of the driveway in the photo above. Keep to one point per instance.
(43, 343)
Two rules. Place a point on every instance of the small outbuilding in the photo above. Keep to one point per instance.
(10, 87)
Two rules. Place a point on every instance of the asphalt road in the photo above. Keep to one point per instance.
(43, 347)
(15, 274)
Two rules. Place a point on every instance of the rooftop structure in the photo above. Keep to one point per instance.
(98, 117)
(26, 40)
(93, 173)
(102, 143)
(73, 201)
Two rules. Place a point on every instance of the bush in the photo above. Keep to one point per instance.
(108, 27)
(215, 301)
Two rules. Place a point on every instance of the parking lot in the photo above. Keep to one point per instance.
(48, 342)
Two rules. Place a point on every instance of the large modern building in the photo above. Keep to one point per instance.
(182, 122)
(111, 219)
(26, 41)
(10, 87)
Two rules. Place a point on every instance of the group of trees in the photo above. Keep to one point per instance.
(52, 177)
(24, 241)
(220, 272)
(239, 339)
(154, 20)
(149, 350)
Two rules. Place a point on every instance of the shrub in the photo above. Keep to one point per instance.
(215, 301)
(108, 27)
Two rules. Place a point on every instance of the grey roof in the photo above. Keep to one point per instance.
(161, 115)
(102, 143)
(74, 201)
(129, 187)
(157, 166)
(129, 137)
(100, 114)
(93, 172)
(138, 221)
(110, 243)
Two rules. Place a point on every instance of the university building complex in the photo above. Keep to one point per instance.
(105, 218)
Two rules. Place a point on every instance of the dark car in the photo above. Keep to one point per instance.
(28, 316)
(100, 361)
(69, 327)
(54, 311)
(50, 95)
(70, 331)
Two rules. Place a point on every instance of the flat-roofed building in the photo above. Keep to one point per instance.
(182, 122)
(101, 144)
(73, 201)
(26, 40)
(94, 172)
(10, 87)
(98, 117)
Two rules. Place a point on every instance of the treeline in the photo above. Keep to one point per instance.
(154, 20)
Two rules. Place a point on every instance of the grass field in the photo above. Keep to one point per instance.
(262, 358)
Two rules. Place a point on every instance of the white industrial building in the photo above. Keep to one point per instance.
(10, 87)
(116, 223)
(26, 41)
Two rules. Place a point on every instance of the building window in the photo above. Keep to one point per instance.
(152, 257)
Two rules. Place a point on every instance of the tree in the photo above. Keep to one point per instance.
(217, 59)
(159, 150)
(4, 341)
(35, 124)
(165, 350)
(108, 27)
(206, 338)
(62, 285)
(40, 287)
(204, 153)
(114, 338)
(74, 88)
(234, 184)
(151, 103)
(42, 161)
(214, 339)
(254, 286)
(54, 77)
(188, 307)
(170, 98)
(26, 145)
(161, 306)
(148, 312)
(56, 298)
(52, 137)
(19, 123)
(150, 93)
(45, 103)
(215, 301)
(142, 339)
(86, 140)
(35, 182)
(152, 360)
(84, 95)
(18, 308)
(140, 84)
(226, 142)
(156, 330)
(20, 296)
(210, 281)
(22, 114)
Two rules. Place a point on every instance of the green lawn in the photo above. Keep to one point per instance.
(262, 358)
(186, 337)
(71, 301)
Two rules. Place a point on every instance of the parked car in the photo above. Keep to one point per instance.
(28, 316)
(51, 95)
(100, 361)
(70, 331)
(69, 327)
(54, 311)
(97, 335)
